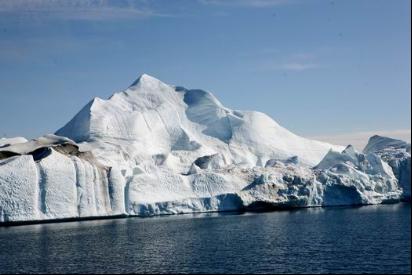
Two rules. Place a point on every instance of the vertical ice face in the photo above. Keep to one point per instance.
(397, 154)
(117, 195)
(19, 190)
(58, 186)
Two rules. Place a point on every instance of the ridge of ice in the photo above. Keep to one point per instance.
(377, 143)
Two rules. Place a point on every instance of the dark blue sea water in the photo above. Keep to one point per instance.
(338, 240)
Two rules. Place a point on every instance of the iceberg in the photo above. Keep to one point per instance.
(156, 149)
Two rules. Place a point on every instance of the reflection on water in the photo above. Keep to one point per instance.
(365, 239)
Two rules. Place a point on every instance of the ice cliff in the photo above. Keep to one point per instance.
(160, 149)
(397, 154)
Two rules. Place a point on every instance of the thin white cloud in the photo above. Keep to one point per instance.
(78, 9)
(360, 139)
(30, 49)
(303, 56)
(247, 3)
(300, 62)
(297, 67)
(294, 62)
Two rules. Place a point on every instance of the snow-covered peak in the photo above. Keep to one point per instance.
(152, 118)
(146, 81)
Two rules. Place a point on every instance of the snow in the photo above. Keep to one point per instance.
(152, 118)
(10, 141)
(160, 149)
(25, 147)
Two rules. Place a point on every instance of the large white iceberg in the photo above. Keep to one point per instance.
(160, 149)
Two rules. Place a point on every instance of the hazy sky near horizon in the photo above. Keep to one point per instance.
(317, 67)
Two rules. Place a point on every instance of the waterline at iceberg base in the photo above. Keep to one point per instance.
(157, 149)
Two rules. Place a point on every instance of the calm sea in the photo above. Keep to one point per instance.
(371, 239)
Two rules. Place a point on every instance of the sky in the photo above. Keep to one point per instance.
(318, 67)
(360, 139)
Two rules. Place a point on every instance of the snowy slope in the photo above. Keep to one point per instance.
(160, 149)
(157, 119)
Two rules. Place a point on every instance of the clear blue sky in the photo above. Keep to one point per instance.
(317, 67)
